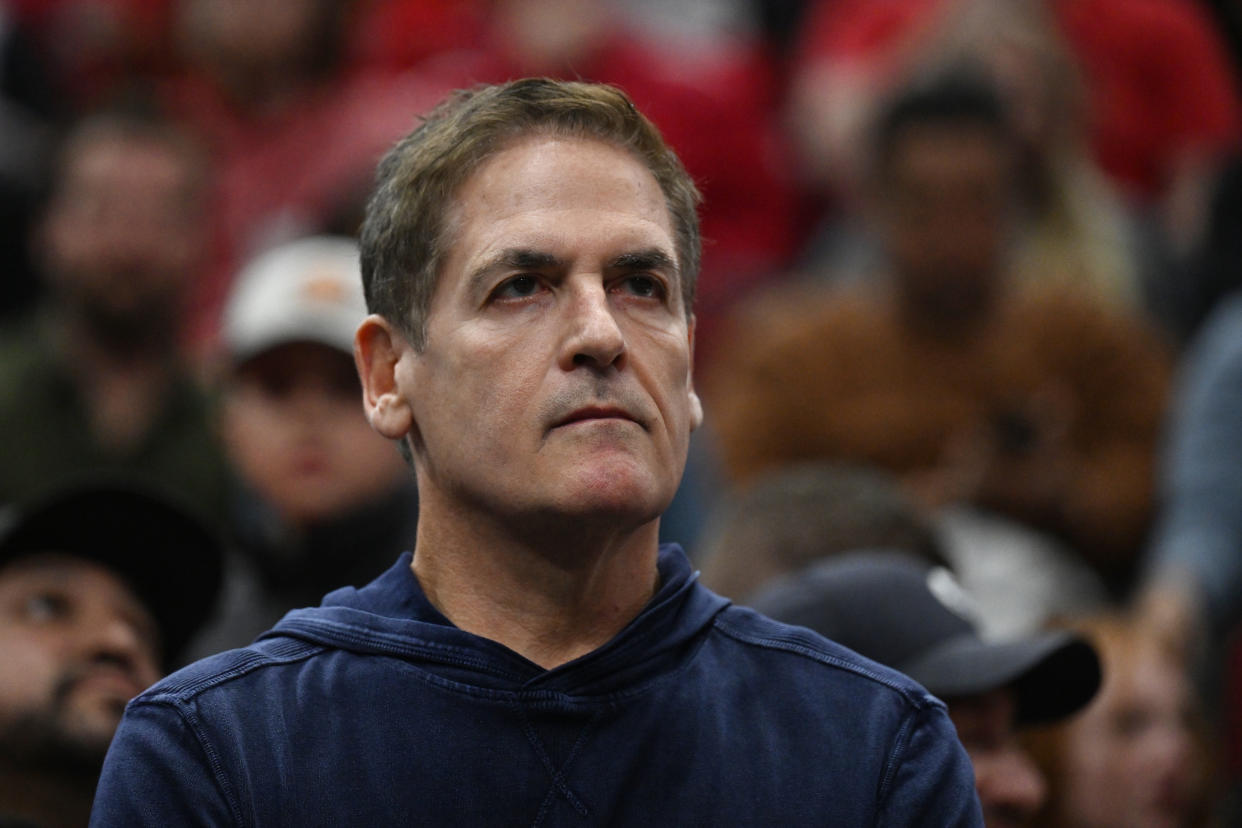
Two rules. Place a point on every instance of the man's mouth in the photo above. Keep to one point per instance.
(596, 412)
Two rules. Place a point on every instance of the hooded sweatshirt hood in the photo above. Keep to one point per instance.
(392, 616)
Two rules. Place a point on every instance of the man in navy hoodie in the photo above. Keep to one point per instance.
(529, 258)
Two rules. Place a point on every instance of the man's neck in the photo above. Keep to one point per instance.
(549, 599)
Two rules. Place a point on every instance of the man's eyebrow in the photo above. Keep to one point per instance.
(513, 258)
(652, 258)
(523, 258)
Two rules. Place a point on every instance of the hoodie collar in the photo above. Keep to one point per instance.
(392, 616)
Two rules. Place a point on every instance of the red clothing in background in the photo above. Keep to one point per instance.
(399, 34)
(1159, 82)
(1161, 85)
(291, 172)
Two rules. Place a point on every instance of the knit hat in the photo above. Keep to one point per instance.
(170, 558)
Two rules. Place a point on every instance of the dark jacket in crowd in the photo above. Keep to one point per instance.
(373, 709)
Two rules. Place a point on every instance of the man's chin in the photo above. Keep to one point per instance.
(616, 485)
(96, 718)
(67, 743)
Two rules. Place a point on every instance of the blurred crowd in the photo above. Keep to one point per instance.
(969, 292)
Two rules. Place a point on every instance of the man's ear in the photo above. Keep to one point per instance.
(379, 350)
(696, 406)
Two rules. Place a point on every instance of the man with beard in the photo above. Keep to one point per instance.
(89, 596)
(94, 380)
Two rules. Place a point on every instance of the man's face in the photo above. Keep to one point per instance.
(1131, 758)
(295, 433)
(556, 376)
(1010, 787)
(123, 237)
(253, 37)
(944, 208)
(76, 645)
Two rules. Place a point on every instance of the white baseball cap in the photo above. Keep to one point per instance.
(309, 290)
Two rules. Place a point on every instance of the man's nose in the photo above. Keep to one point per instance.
(1009, 782)
(1171, 747)
(593, 337)
(109, 638)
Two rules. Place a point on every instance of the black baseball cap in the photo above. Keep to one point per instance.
(170, 557)
(912, 616)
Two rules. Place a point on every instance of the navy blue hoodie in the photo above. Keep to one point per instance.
(373, 709)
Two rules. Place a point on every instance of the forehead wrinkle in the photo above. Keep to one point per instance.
(475, 199)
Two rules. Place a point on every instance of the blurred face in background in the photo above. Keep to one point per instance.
(76, 645)
(1011, 788)
(943, 209)
(241, 43)
(549, 36)
(1132, 759)
(297, 435)
(123, 239)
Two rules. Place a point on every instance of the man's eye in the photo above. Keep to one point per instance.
(644, 286)
(44, 607)
(518, 287)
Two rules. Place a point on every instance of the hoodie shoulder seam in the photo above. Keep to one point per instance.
(799, 644)
(246, 661)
